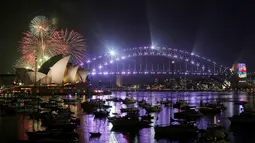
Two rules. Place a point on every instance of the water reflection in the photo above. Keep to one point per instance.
(16, 127)
(146, 135)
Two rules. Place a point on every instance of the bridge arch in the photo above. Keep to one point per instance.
(202, 64)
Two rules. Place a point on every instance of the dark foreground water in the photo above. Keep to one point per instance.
(15, 127)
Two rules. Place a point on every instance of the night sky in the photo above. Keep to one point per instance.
(220, 30)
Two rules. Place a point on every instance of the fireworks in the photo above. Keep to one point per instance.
(26, 61)
(32, 44)
(73, 44)
(40, 26)
(49, 42)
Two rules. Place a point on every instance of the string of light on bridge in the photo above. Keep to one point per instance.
(152, 73)
(113, 57)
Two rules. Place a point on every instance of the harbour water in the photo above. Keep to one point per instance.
(14, 128)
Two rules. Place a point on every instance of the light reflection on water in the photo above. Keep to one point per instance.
(16, 127)
(146, 135)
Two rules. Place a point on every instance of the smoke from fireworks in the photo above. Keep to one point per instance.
(49, 44)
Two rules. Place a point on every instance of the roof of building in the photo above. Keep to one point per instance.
(45, 68)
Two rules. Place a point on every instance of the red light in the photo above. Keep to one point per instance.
(22, 105)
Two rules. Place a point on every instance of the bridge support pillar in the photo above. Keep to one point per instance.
(119, 81)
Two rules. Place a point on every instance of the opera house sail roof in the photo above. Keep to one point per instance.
(71, 72)
(55, 70)
(45, 67)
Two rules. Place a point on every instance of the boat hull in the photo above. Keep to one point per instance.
(175, 132)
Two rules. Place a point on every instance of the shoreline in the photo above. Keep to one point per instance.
(166, 90)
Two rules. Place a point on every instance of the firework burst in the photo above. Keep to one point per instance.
(26, 61)
(32, 44)
(50, 44)
(72, 44)
(40, 26)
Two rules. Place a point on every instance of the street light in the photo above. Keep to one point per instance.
(173, 66)
(88, 63)
(112, 53)
(81, 65)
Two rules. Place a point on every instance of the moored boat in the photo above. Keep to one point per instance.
(209, 110)
(179, 103)
(143, 104)
(129, 110)
(115, 99)
(213, 134)
(101, 113)
(153, 109)
(125, 122)
(128, 101)
(188, 114)
(167, 103)
(246, 118)
(130, 122)
(147, 117)
(240, 102)
(181, 131)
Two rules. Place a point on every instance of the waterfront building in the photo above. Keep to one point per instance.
(57, 70)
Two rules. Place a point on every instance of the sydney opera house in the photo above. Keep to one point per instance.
(57, 70)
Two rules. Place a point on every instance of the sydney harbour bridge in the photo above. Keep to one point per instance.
(151, 61)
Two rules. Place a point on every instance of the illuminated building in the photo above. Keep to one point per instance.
(239, 75)
(56, 70)
(240, 70)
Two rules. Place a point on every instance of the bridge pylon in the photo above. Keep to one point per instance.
(119, 80)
